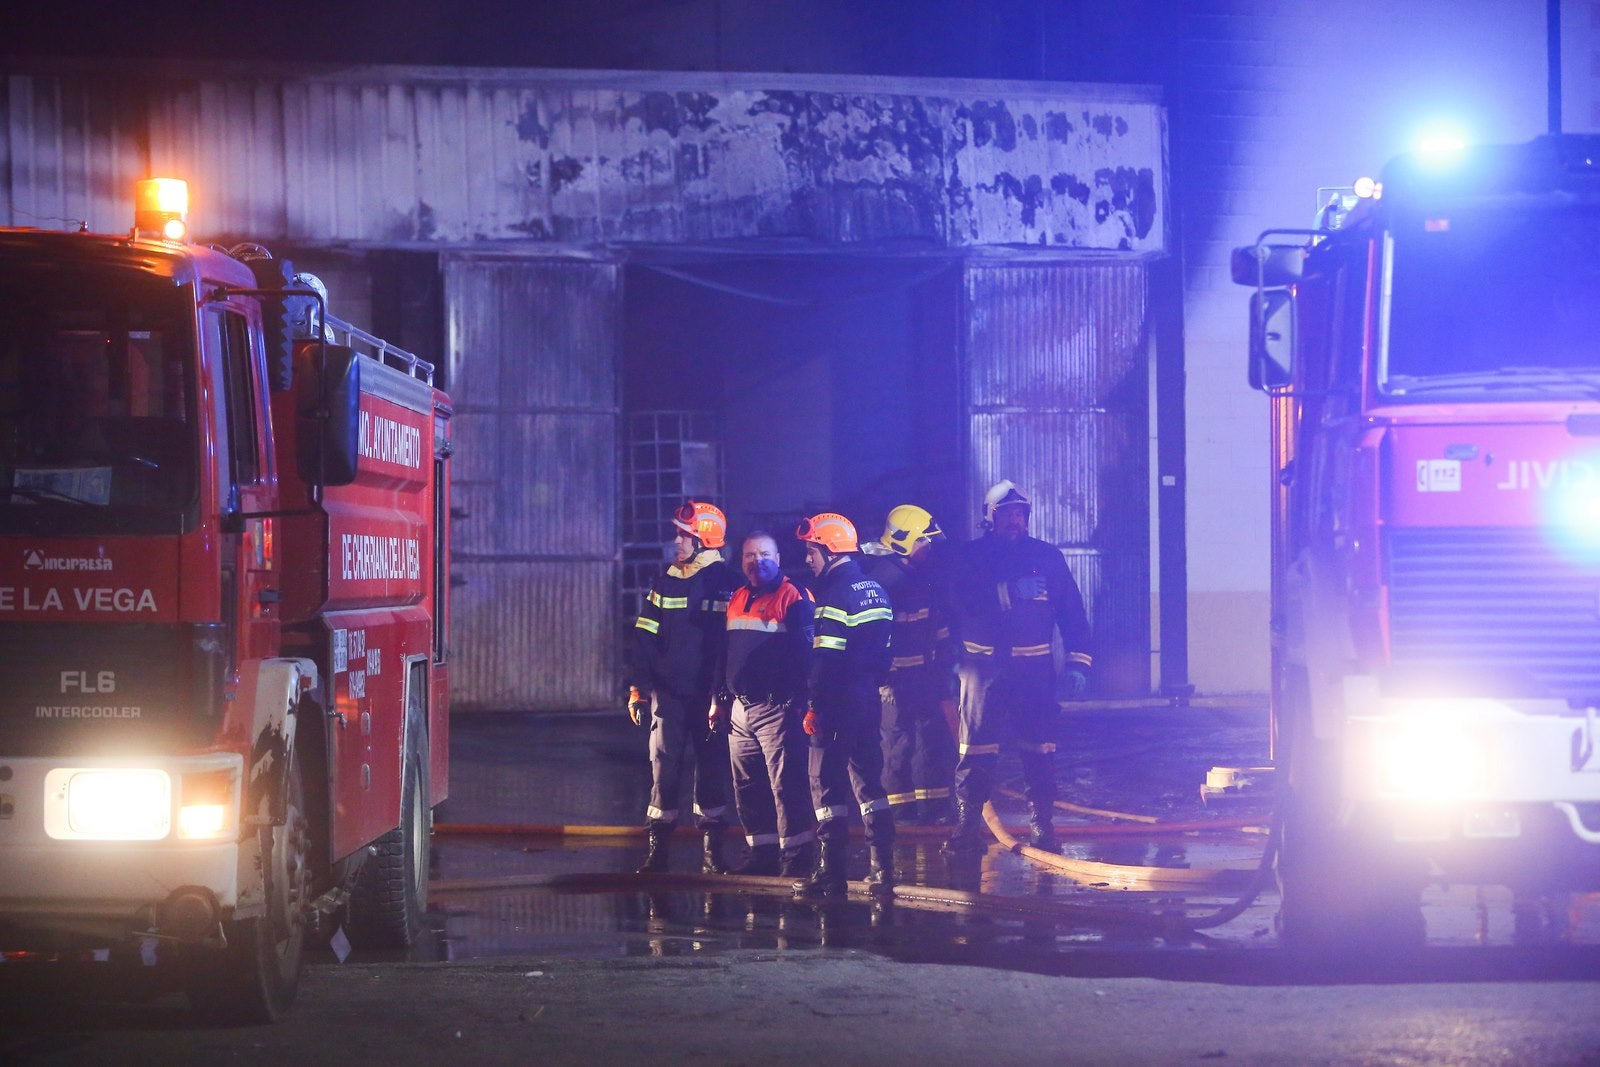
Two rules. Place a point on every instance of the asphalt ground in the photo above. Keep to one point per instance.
(543, 947)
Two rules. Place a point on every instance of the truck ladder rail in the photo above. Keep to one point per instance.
(381, 350)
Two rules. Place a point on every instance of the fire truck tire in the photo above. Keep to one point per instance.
(1342, 893)
(255, 978)
(391, 893)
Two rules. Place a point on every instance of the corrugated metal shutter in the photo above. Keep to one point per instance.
(1057, 379)
(532, 370)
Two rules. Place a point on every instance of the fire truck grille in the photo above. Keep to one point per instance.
(1510, 605)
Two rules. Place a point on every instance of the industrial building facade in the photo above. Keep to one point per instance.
(789, 292)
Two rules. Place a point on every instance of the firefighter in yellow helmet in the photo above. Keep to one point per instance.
(1009, 593)
(919, 752)
(677, 640)
(849, 661)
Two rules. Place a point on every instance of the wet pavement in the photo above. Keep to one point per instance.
(1145, 946)
(534, 850)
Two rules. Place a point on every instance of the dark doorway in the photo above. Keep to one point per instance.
(808, 383)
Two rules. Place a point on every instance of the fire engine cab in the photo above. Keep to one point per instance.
(1433, 363)
(224, 554)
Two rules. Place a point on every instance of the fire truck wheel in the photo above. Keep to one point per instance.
(1342, 892)
(255, 978)
(391, 893)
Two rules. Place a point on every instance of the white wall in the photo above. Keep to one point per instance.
(1282, 98)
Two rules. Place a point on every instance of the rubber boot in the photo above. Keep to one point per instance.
(880, 876)
(655, 857)
(799, 861)
(763, 860)
(828, 879)
(1041, 827)
(971, 834)
(1039, 786)
(711, 858)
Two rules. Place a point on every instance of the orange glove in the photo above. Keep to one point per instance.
(811, 723)
(638, 706)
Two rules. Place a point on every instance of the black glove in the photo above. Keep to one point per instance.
(1075, 683)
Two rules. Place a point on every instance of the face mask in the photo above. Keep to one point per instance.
(766, 571)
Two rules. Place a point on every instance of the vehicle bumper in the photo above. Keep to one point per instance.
(112, 887)
(1474, 769)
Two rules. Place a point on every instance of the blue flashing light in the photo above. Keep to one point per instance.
(1441, 146)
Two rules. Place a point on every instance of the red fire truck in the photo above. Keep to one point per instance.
(224, 552)
(1433, 365)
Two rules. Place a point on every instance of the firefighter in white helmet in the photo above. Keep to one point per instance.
(919, 753)
(1009, 594)
(677, 641)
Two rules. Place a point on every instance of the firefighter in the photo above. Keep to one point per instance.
(918, 743)
(850, 661)
(1009, 591)
(676, 642)
(760, 700)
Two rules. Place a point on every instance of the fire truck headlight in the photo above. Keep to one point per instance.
(108, 804)
(206, 811)
(1430, 758)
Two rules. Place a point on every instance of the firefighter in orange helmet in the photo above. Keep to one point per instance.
(849, 661)
(677, 641)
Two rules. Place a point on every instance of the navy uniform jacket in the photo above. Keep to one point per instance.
(1007, 598)
(678, 636)
(850, 652)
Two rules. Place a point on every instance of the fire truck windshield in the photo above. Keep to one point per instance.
(1493, 300)
(96, 409)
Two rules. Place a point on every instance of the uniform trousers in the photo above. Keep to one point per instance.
(767, 745)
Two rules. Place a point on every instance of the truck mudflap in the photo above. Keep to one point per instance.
(1471, 768)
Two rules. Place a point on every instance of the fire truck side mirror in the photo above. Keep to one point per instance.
(332, 448)
(1272, 338)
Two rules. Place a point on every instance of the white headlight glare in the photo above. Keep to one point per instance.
(1431, 758)
(119, 804)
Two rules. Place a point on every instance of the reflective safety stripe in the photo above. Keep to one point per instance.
(1041, 746)
(979, 750)
(745, 622)
(711, 813)
(1030, 650)
(655, 814)
(649, 626)
(823, 641)
(718, 606)
(760, 839)
(977, 649)
(881, 804)
(919, 794)
(1005, 596)
(836, 811)
(796, 840)
(942, 634)
(909, 661)
(857, 618)
(668, 602)
(1080, 657)
(911, 616)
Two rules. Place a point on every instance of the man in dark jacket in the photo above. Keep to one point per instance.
(850, 660)
(1009, 593)
(919, 749)
(677, 640)
(761, 696)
